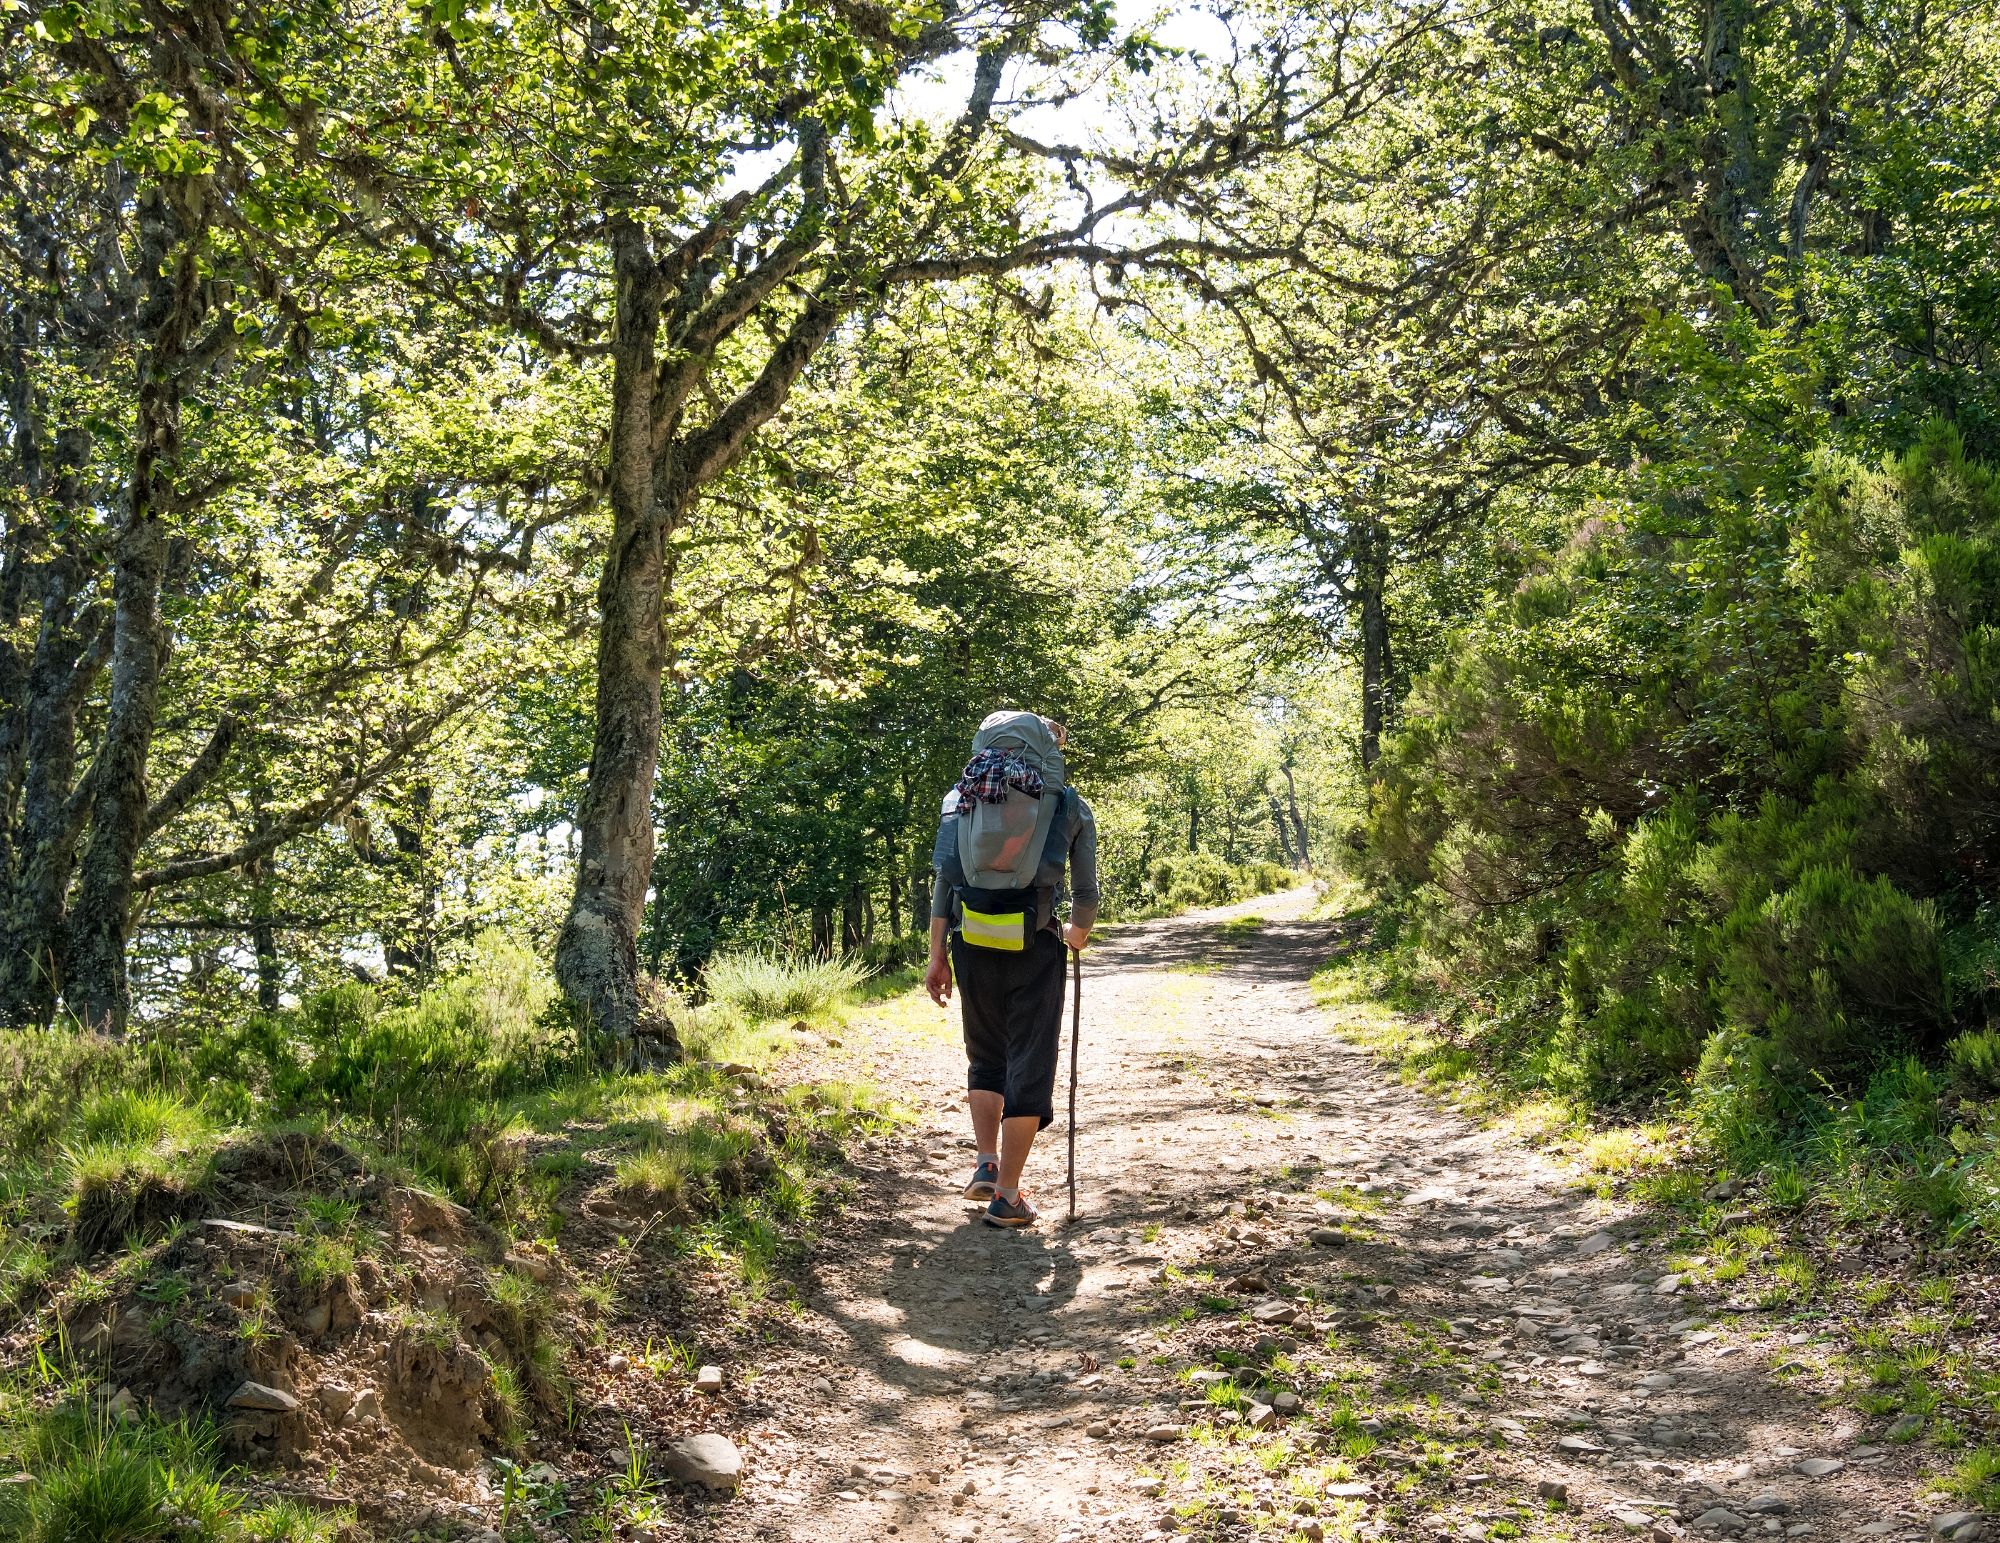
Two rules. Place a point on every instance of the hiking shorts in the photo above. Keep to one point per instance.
(1012, 1007)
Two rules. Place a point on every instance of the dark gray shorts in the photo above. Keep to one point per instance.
(1012, 1007)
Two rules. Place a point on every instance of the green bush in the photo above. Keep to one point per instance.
(1974, 1059)
(1197, 880)
(766, 986)
(431, 1064)
(1703, 805)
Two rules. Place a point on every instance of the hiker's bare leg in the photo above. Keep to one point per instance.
(986, 1110)
(1016, 1136)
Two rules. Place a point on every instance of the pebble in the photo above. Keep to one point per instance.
(708, 1380)
(617, 1362)
(1165, 1433)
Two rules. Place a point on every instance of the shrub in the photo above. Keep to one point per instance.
(1974, 1059)
(430, 1066)
(765, 986)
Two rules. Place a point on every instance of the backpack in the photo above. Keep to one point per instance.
(1003, 846)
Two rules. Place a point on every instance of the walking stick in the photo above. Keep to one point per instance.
(1075, 1040)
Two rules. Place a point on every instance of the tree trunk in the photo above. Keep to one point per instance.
(1298, 820)
(42, 845)
(851, 920)
(597, 953)
(1283, 833)
(414, 952)
(1378, 664)
(97, 988)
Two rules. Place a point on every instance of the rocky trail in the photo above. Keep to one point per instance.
(1300, 1299)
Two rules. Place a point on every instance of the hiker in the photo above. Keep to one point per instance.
(1009, 831)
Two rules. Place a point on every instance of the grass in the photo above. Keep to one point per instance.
(768, 986)
(90, 1477)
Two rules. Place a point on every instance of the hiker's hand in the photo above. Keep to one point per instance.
(937, 980)
(1075, 936)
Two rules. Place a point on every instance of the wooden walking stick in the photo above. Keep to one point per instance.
(1075, 1040)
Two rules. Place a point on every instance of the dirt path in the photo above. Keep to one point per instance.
(1422, 1331)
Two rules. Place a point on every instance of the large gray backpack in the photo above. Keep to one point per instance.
(1000, 845)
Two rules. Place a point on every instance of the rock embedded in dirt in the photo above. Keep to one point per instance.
(1165, 1433)
(334, 1399)
(367, 1406)
(1959, 1526)
(1286, 1402)
(1276, 1310)
(1595, 1244)
(617, 1363)
(1820, 1467)
(1770, 1503)
(238, 1293)
(1260, 1416)
(255, 1395)
(1908, 1428)
(708, 1380)
(708, 1459)
(1328, 1237)
(1721, 1519)
(1582, 1446)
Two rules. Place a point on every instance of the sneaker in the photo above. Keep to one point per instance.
(1015, 1213)
(984, 1178)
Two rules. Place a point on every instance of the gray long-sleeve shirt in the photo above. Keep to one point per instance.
(1080, 871)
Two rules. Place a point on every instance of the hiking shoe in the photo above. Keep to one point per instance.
(984, 1178)
(1011, 1213)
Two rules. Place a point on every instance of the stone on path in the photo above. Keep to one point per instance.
(709, 1459)
(1634, 1520)
(1582, 1445)
(708, 1380)
(1907, 1428)
(1959, 1526)
(255, 1395)
(1820, 1467)
(1275, 1311)
(1260, 1416)
(1721, 1519)
(1165, 1433)
(1553, 1489)
(1328, 1237)
(1595, 1244)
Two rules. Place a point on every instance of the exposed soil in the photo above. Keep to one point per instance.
(1471, 1328)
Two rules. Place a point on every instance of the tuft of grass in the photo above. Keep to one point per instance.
(767, 986)
(89, 1477)
(1975, 1478)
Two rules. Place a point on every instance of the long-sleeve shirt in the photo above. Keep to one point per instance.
(1078, 875)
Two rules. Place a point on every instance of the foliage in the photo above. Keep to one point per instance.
(769, 986)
